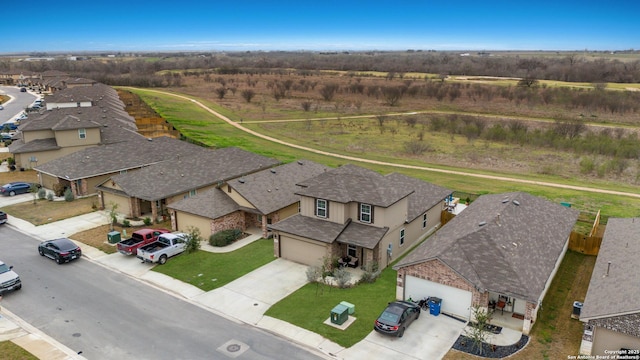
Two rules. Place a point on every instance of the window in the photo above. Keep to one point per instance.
(259, 218)
(123, 171)
(424, 221)
(401, 237)
(352, 251)
(366, 212)
(322, 208)
(192, 193)
(82, 133)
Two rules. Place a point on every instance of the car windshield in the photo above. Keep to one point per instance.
(4, 268)
(389, 317)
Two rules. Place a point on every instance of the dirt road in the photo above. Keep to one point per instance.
(425, 168)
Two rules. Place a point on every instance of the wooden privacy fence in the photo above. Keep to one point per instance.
(588, 245)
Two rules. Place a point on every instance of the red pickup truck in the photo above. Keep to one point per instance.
(139, 238)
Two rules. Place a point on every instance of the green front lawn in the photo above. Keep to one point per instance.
(311, 305)
(11, 351)
(209, 271)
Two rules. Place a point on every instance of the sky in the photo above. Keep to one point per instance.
(326, 25)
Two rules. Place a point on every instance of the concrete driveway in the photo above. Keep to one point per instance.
(428, 338)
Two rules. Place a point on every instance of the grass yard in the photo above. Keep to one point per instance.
(45, 211)
(311, 305)
(11, 351)
(209, 271)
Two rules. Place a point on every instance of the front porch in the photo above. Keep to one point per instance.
(507, 320)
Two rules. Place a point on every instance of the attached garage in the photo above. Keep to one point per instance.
(184, 220)
(456, 302)
(301, 251)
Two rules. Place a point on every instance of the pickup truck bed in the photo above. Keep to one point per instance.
(139, 238)
(166, 246)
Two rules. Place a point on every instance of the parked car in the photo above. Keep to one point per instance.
(396, 318)
(138, 239)
(3, 217)
(1, 107)
(61, 250)
(9, 280)
(167, 245)
(23, 89)
(16, 187)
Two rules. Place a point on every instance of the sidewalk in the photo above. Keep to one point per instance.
(244, 300)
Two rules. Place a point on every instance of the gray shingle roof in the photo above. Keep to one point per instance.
(19, 147)
(620, 247)
(211, 204)
(362, 235)
(506, 243)
(351, 183)
(273, 189)
(106, 159)
(185, 173)
(424, 197)
(311, 228)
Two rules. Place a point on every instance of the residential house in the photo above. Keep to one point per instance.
(500, 252)
(356, 212)
(151, 189)
(85, 169)
(611, 309)
(254, 200)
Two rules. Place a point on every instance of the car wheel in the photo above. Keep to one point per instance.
(41, 252)
(12, 193)
(19, 287)
(58, 260)
(418, 315)
(401, 333)
(162, 260)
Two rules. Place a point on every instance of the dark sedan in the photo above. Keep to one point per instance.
(17, 187)
(396, 318)
(61, 250)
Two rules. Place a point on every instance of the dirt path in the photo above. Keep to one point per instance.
(425, 168)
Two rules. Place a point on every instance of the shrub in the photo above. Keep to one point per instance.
(342, 277)
(42, 193)
(193, 240)
(147, 221)
(224, 237)
(371, 273)
(68, 195)
(50, 196)
(126, 223)
(58, 189)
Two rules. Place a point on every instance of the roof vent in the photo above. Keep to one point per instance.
(505, 200)
(273, 171)
(516, 202)
(482, 223)
(241, 181)
(300, 162)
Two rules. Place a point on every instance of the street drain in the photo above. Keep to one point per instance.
(233, 348)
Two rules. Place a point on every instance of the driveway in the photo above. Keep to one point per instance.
(428, 338)
(249, 297)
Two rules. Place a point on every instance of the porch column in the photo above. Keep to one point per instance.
(264, 226)
(154, 212)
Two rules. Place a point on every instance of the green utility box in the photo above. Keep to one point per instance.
(339, 314)
(350, 306)
(113, 237)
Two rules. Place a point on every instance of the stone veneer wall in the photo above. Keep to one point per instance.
(627, 324)
(436, 271)
(235, 220)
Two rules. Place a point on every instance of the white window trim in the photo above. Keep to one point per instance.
(402, 236)
(82, 133)
(318, 208)
(369, 213)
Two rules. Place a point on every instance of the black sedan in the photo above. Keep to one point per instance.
(396, 318)
(61, 250)
(16, 187)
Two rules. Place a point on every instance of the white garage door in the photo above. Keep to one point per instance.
(454, 301)
(300, 251)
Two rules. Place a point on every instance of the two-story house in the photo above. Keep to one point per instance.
(356, 212)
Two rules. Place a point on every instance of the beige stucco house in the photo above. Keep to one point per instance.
(356, 212)
(501, 252)
(611, 309)
(250, 201)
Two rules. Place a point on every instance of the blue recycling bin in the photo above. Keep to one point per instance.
(434, 305)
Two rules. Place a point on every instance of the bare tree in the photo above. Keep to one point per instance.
(392, 95)
(248, 94)
(221, 92)
(329, 90)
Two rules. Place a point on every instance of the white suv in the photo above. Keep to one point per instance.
(9, 280)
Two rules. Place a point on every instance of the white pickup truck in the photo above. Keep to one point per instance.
(9, 280)
(167, 245)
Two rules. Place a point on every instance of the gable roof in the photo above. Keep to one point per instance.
(424, 197)
(615, 272)
(506, 243)
(112, 158)
(351, 183)
(275, 188)
(181, 174)
(211, 204)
